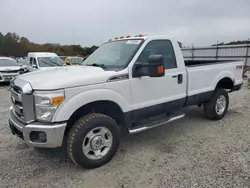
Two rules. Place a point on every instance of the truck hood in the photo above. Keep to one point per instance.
(65, 77)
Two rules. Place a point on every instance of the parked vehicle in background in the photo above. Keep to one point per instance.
(24, 64)
(43, 61)
(73, 61)
(62, 58)
(9, 69)
(131, 84)
(23, 61)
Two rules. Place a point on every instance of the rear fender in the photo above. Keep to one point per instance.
(220, 76)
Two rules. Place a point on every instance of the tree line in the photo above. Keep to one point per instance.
(12, 44)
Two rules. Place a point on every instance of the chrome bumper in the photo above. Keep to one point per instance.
(54, 131)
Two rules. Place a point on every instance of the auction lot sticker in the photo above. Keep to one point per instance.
(133, 42)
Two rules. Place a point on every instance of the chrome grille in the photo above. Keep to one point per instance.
(22, 101)
(16, 99)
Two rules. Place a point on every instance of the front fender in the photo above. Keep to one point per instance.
(68, 107)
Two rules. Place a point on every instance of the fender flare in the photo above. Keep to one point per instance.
(222, 75)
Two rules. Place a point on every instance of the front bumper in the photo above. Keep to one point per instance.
(7, 77)
(54, 132)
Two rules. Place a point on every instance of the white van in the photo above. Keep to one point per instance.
(43, 60)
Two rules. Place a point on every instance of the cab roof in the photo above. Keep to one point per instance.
(145, 37)
(42, 54)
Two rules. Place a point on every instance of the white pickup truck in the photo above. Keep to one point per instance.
(43, 61)
(124, 85)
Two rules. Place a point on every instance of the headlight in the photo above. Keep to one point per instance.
(46, 103)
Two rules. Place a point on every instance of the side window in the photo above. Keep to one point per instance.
(159, 47)
(31, 59)
(67, 62)
(34, 61)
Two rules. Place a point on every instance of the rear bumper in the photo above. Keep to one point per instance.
(236, 87)
(54, 132)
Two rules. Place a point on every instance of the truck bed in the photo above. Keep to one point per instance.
(203, 76)
(192, 63)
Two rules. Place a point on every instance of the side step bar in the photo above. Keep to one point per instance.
(143, 128)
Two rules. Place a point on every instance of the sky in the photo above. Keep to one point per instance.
(92, 22)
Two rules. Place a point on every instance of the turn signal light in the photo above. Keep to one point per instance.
(160, 69)
(57, 100)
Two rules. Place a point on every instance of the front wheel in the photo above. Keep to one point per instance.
(217, 107)
(93, 140)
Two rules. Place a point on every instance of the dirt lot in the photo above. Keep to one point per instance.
(192, 152)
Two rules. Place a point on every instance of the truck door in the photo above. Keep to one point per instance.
(152, 96)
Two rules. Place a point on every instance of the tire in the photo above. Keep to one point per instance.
(84, 136)
(210, 107)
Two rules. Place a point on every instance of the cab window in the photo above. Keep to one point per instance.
(159, 47)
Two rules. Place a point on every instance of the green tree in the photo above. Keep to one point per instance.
(1, 43)
(13, 45)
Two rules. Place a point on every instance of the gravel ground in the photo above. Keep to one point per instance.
(192, 152)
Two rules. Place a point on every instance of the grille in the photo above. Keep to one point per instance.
(16, 99)
(22, 100)
(7, 78)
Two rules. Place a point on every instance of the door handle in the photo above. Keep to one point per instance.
(180, 78)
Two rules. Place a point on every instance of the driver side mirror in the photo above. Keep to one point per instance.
(34, 66)
(154, 67)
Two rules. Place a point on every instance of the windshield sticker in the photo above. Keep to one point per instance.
(133, 42)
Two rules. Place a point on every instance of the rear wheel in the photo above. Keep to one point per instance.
(93, 140)
(217, 107)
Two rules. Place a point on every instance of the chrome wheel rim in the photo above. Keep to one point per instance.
(97, 143)
(220, 104)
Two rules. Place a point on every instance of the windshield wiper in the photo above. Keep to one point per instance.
(55, 63)
(97, 65)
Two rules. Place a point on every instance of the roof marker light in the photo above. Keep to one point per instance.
(121, 37)
(128, 36)
(116, 38)
(140, 35)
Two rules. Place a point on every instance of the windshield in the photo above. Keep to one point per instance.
(114, 54)
(7, 63)
(49, 61)
(77, 60)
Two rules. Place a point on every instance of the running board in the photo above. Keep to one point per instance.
(143, 128)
